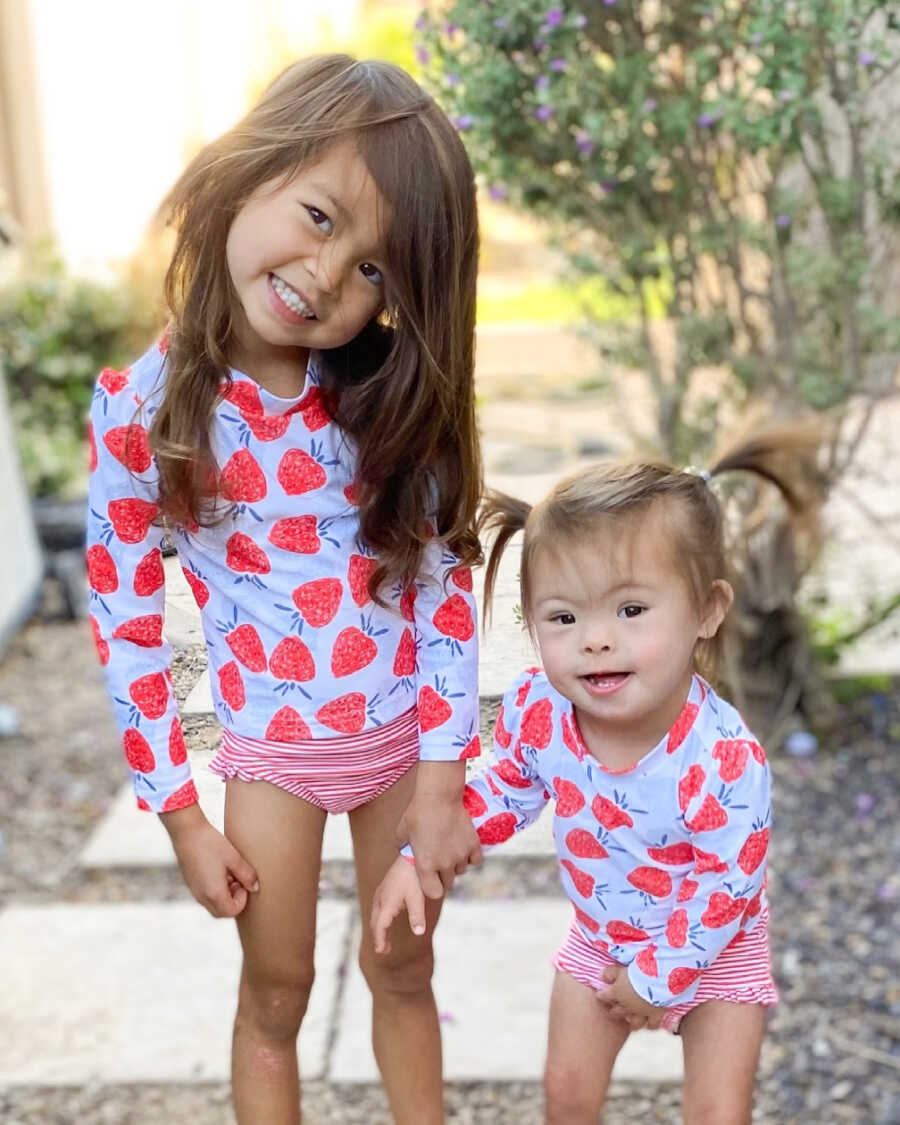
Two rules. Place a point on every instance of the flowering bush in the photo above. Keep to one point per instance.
(724, 154)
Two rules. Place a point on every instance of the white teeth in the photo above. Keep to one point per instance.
(291, 298)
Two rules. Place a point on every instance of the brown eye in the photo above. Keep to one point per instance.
(372, 273)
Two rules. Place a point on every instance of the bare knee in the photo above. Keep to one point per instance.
(569, 1099)
(274, 1008)
(716, 1109)
(401, 972)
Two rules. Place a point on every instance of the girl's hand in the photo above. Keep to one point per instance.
(216, 873)
(625, 1004)
(438, 827)
(398, 890)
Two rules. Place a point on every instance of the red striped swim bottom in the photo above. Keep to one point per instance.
(740, 974)
(336, 774)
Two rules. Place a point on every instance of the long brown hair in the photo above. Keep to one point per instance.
(605, 499)
(403, 390)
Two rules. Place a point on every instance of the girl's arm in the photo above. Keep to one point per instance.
(729, 818)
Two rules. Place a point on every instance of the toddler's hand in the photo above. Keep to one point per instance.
(443, 840)
(622, 1002)
(216, 873)
(398, 890)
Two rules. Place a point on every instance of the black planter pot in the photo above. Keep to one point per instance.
(60, 526)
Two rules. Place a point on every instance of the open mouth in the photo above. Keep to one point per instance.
(603, 683)
(291, 298)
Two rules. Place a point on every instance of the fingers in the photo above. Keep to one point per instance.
(244, 872)
(415, 908)
(476, 855)
(432, 884)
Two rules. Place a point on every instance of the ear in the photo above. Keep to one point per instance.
(718, 603)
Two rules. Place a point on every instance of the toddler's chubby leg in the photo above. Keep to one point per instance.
(721, 1053)
(283, 834)
(583, 1044)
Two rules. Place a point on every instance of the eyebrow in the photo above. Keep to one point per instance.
(567, 599)
(335, 203)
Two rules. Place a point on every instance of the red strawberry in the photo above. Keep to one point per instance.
(142, 805)
(690, 785)
(497, 828)
(296, 533)
(92, 447)
(462, 577)
(292, 660)
(298, 472)
(753, 906)
(622, 932)
(587, 921)
(352, 651)
(681, 979)
(346, 714)
(501, 735)
(651, 880)
(571, 739)
(537, 724)
(150, 694)
(358, 572)
(405, 656)
(454, 618)
(102, 573)
(679, 731)
(722, 909)
(472, 749)
(100, 644)
(408, 603)
(732, 755)
(687, 890)
(609, 814)
(181, 798)
(287, 726)
(351, 491)
(131, 518)
(433, 709)
(318, 601)
(677, 929)
(245, 396)
(672, 854)
(270, 427)
(710, 816)
(315, 416)
(708, 861)
(473, 802)
(137, 751)
(144, 631)
(198, 587)
(581, 843)
(583, 882)
(524, 689)
(754, 850)
(113, 381)
(758, 753)
(243, 555)
(128, 444)
(646, 961)
(164, 341)
(493, 786)
(242, 480)
(149, 575)
(232, 686)
(245, 643)
(177, 746)
(569, 798)
(506, 771)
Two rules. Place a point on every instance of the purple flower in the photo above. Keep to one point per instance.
(463, 122)
(609, 3)
(865, 802)
(544, 112)
(422, 22)
(453, 80)
(866, 58)
(782, 221)
(785, 95)
(450, 28)
(580, 20)
(554, 17)
(558, 65)
(584, 142)
(498, 191)
(608, 185)
(649, 105)
(422, 54)
(501, 22)
(541, 82)
(706, 119)
(539, 45)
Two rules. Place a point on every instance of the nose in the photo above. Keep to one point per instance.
(597, 636)
(329, 267)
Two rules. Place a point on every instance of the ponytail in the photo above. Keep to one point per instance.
(504, 516)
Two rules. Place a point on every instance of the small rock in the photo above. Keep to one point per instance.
(840, 1090)
(801, 743)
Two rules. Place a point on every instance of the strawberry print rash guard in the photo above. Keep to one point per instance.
(297, 649)
(664, 862)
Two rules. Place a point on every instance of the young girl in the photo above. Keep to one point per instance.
(307, 432)
(661, 793)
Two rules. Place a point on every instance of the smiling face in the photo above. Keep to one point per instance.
(617, 625)
(306, 259)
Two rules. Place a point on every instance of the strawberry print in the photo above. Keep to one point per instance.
(149, 575)
(298, 534)
(569, 798)
(352, 650)
(522, 693)
(150, 694)
(346, 714)
(753, 907)
(92, 447)
(292, 661)
(497, 828)
(473, 802)
(587, 921)
(506, 770)
(537, 724)
(113, 381)
(501, 735)
(102, 574)
(454, 619)
(242, 480)
(300, 472)
(231, 686)
(646, 961)
(144, 631)
(753, 851)
(313, 411)
(709, 817)
(131, 518)
(609, 814)
(181, 798)
(245, 556)
(198, 587)
(318, 600)
(732, 755)
(681, 979)
(652, 881)
(708, 861)
(624, 932)
(286, 725)
(677, 929)
(672, 854)
(687, 890)
(359, 571)
(571, 739)
(269, 427)
(470, 748)
(690, 785)
(99, 643)
(405, 656)
(434, 709)
(137, 751)
(757, 751)
(722, 909)
(245, 643)
(582, 844)
(683, 724)
(407, 602)
(129, 446)
(581, 880)
(177, 746)
(461, 577)
(243, 395)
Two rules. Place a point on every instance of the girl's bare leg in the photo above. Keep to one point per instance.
(583, 1044)
(406, 1034)
(721, 1053)
(281, 835)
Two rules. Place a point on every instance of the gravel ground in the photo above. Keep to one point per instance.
(832, 1054)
